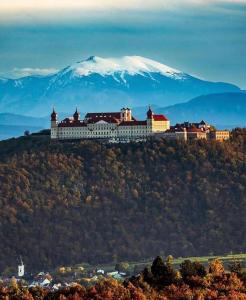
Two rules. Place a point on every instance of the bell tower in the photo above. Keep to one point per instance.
(150, 120)
(54, 118)
(126, 114)
(76, 115)
(54, 124)
(21, 269)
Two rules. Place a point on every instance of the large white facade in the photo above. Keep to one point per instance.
(116, 125)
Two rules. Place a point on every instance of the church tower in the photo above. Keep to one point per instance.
(54, 125)
(126, 114)
(21, 269)
(76, 115)
(150, 120)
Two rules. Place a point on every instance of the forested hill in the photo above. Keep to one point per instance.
(66, 203)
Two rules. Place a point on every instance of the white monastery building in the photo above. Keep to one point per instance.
(108, 125)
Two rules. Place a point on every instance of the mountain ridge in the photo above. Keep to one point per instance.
(129, 64)
(221, 108)
(35, 95)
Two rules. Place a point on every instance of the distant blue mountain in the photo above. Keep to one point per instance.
(104, 84)
(15, 120)
(10, 131)
(224, 110)
(12, 125)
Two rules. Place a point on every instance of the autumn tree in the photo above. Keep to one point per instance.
(216, 268)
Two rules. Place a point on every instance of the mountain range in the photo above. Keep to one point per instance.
(108, 84)
(13, 125)
(104, 84)
(224, 110)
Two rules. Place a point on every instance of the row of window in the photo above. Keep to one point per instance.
(64, 132)
(78, 134)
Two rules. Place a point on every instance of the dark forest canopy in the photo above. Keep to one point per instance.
(67, 203)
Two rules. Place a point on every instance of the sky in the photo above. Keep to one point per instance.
(206, 38)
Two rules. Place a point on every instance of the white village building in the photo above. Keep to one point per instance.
(21, 269)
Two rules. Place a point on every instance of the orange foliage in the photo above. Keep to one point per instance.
(219, 285)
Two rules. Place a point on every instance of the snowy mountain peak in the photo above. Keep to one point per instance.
(91, 58)
(131, 65)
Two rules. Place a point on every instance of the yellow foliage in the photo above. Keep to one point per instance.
(216, 268)
(62, 270)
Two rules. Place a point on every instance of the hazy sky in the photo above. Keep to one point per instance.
(206, 38)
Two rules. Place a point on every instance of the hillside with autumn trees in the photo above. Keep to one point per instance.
(68, 203)
(159, 282)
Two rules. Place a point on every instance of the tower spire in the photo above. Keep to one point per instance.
(53, 115)
(76, 115)
(150, 113)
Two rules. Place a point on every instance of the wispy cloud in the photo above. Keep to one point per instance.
(22, 72)
(29, 11)
(15, 5)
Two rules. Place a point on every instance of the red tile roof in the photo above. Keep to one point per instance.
(160, 118)
(193, 129)
(133, 123)
(107, 119)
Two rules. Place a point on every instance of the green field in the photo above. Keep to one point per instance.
(226, 259)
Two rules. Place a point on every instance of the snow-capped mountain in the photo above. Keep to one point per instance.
(104, 84)
(131, 65)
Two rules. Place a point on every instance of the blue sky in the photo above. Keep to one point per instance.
(204, 38)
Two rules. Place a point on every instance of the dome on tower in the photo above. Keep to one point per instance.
(53, 115)
(76, 115)
(150, 113)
